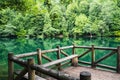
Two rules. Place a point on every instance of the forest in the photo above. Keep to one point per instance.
(59, 18)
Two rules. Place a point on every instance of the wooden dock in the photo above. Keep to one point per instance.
(96, 74)
(33, 71)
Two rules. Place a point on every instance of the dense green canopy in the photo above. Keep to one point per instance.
(41, 18)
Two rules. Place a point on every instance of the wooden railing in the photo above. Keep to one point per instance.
(59, 50)
(95, 63)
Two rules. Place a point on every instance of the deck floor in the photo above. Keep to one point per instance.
(96, 74)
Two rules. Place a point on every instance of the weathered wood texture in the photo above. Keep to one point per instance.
(26, 76)
(93, 57)
(58, 57)
(31, 72)
(59, 61)
(64, 53)
(118, 60)
(86, 52)
(21, 74)
(31, 67)
(44, 51)
(104, 57)
(55, 74)
(39, 56)
(10, 67)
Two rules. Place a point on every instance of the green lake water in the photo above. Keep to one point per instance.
(18, 46)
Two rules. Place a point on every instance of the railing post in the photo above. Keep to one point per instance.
(118, 59)
(10, 67)
(39, 56)
(31, 73)
(73, 49)
(85, 75)
(93, 57)
(75, 61)
(58, 57)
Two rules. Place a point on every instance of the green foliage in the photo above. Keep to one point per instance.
(117, 33)
(59, 17)
(81, 23)
(84, 7)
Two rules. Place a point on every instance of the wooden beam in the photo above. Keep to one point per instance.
(59, 61)
(26, 76)
(93, 57)
(44, 51)
(39, 56)
(62, 48)
(106, 66)
(47, 58)
(67, 47)
(53, 73)
(10, 67)
(31, 72)
(58, 57)
(75, 61)
(84, 53)
(20, 62)
(105, 48)
(84, 62)
(64, 53)
(104, 57)
(73, 49)
(118, 59)
(21, 74)
(62, 64)
(98, 48)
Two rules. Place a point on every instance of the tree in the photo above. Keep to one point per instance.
(71, 13)
(84, 7)
(94, 10)
(81, 23)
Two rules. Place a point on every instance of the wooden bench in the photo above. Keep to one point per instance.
(73, 57)
(26, 76)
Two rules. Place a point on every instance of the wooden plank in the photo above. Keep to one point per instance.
(84, 47)
(10, 67)
(26, 54)
(21, 74)
(62, 64)
(44, 51)
(93, 57)
(31, 72)
(105, 48)
(20, 62)
(53, 73)
(62, 48)
(58, 57)
(106, 66)
(99, 48)
(84, 62)
(84, 53)
(47, 58)
(64, 53)
(26, 76)
(73, 49)
(67, 47)
(39, 56)
(104, 57)
(118, 59)
(59, 61)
